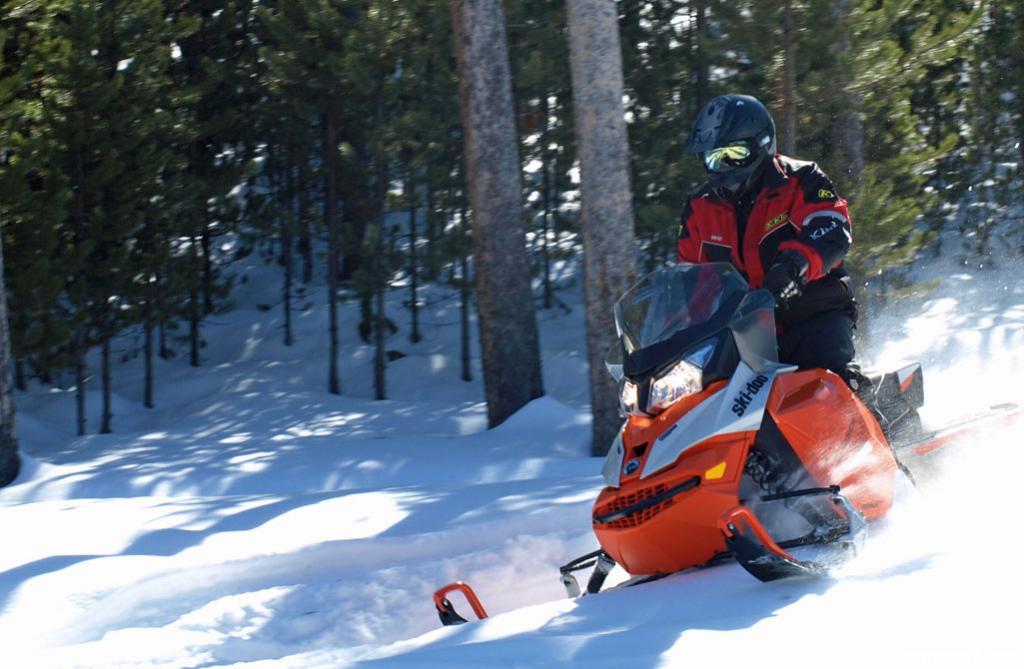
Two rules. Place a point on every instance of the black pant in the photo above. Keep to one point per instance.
(824, 341)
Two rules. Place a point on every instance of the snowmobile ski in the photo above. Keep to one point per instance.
(445, 609)
(757, 552)
(602, 564)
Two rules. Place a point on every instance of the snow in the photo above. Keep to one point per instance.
(254, 520)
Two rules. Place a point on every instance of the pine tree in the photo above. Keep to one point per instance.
(428, 129)
(31, 221)
(216, 67)
(97, 145)
(893, 47)
(373, 279)
(138, 59)
(421, 97)
(322, 59)
(295, 76)
(668, 50)
(991, 162)
(277, 198)
(79, 103)
(15, 119)
(539, 52)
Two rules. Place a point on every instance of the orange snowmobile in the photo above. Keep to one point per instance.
(727, 453)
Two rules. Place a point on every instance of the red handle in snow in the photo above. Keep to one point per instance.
(447, 612)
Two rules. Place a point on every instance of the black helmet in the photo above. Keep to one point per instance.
(735, 137)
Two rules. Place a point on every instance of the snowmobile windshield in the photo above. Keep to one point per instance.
(684, 303)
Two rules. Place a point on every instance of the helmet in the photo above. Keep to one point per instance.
(735, 137)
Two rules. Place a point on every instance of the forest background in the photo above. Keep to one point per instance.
(145, 145)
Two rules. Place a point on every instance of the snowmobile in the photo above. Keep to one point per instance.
(726, 453)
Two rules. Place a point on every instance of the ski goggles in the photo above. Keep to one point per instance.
(728, 157)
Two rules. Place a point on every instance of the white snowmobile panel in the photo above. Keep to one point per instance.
(739, 407)
(612, 469)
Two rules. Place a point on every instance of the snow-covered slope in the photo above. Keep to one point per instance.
(255, 520)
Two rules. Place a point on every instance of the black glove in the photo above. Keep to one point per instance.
(785, 279)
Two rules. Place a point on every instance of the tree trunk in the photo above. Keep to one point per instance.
(431, 223)
(305, 231)
(193, 303)
(508, 327)
(147, 399)
(10, 463)
(414, 334)
(379, 323)
(80, 380)
(165, 351)
(80, 335)
(609, 255)
(207, 256)
(107, 414)
(788, 81)
(287, 223)
(331, 223)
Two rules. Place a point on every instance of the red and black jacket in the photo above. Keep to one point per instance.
(795, 207)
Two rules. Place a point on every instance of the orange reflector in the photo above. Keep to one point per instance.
(716, 472)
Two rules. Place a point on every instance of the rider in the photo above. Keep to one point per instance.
(782, 224)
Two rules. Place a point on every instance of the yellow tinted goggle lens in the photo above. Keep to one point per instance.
(715, 159)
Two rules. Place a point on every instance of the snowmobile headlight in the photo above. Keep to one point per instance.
(685, 378)
(628, 398)
(682, 380)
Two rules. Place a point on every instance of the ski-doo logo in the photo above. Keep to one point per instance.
(631, 466)
(742, 401)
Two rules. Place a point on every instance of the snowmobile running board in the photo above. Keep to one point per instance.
(446, 611)
(998, 416)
